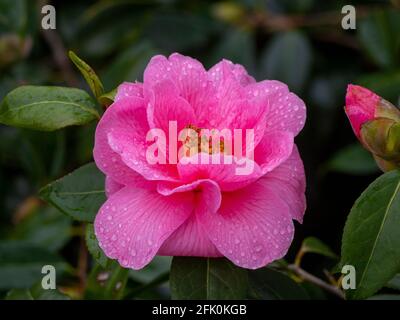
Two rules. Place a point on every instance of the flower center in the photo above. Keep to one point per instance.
(198, 140)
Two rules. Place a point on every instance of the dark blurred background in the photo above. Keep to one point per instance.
(300, 42)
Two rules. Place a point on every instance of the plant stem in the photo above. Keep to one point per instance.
(317, 281)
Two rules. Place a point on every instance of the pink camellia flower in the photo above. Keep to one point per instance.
(200, 209)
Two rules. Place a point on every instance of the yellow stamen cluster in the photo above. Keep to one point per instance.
(195, 142)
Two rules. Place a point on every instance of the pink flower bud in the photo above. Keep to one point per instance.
(363, 105)
(376, 123)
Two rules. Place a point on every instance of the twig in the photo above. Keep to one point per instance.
(317, 281)
(272, 23)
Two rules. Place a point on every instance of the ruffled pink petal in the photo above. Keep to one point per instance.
(185, 72)
(166, 105)
(208, 192)
(361, 106)
(107, 160)
(127, 137)
(129, 89)
(133, 223)
(229, 172)
(226, 68)
(190, 79)
(112, 186)
(286, 112)
(252, 227)
(235, 109)
(274, 149)
(137, 181)
(288, 181)
(190, 239)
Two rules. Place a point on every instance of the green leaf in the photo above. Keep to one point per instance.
(385, 84)
(354, 160)
(269, 284)
(394, 283)
(107, 283)
(379, 33)
(189, 30)
(47, 108)
(107, 98)
(370, 240)
(231, 47)
(128, 65)
(46, 227)
(207, 279)
(158, 266)
(36, 293)
(287, 58)
(314, 245)
(385, 297)
(21, 264)
(79, 194)
(94, 248)
(18, 16)
(19, 294)
(88, 73)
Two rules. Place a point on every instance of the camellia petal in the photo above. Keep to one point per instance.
(133, 223)
(252, 228)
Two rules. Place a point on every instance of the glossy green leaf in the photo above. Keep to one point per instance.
(88, 73)
(269, 284)
(79, 194)
(287, 58)
(207, 279)
(314, 245)
(370, 240)
(94, 248)
(354, 160)
(47, 108)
